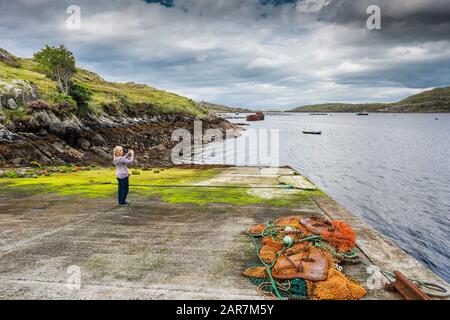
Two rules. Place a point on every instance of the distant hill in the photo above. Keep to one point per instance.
(221, 108)
(435, 100)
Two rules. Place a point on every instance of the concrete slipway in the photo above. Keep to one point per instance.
(165, 250)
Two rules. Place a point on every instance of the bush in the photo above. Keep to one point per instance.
(37, 106)
(86, 110)
(81, 94)
(57, 97)
(113, 108)
(135, 172)
(12, 174)
(61, 103)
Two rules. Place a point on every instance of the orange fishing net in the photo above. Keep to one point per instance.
(292, 221)
(256, 272)
(338, 287)
(340, 236)
(306, 258)
(256, 230)
(269, 249)
(337, 233)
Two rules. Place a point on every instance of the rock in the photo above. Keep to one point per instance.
(55, 125)
(17, 161)
(44, 160)
(11, 104)
(159, 147)
(17, 92)
(70, 126)
(8, 58)
(40, 119)
(34, 92)
(19, 81)
(85, 145)
(98, 139)
(101, 153)
(74, 153)
(6, 135)
(59, 147)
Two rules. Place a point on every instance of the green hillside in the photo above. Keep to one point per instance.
(213, 107)
(435, 100)
(104, 93)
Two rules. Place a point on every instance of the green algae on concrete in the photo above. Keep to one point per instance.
(174, 185)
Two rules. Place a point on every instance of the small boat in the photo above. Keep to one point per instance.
(362, 113)
(318, 114)
(312, 132)
(259, 116)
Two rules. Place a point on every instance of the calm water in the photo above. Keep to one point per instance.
(392, 170)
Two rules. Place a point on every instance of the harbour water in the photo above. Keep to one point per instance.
(392, 170)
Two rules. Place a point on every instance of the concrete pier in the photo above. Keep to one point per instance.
(160, 249)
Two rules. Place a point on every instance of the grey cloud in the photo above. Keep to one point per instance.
(249, 53)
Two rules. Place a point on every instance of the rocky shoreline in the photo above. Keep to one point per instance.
(52, 139)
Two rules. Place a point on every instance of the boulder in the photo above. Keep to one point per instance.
(85, 145)
(70, 126)
(40, 119)
(44, 159)
(59, 147)
(34, 91)
(6, 135)
(11, 104)
(98, 139)
(8, 58)
(55, 125)
(74, 153)
(17, 161)
(100, 152)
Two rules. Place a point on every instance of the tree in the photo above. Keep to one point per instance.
(58, 63)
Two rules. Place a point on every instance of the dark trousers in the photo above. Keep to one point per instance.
(123, 190)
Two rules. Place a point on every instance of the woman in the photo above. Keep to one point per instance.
(122, 174)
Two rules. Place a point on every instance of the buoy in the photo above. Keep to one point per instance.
(289, 229)
(288, 241)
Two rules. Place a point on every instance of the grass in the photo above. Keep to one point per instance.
(147, 98)
(101, 183)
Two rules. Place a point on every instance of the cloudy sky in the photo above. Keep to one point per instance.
(251, 53)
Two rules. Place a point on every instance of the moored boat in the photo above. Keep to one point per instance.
(259, 116)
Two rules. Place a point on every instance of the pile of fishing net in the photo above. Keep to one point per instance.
(299, 258)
